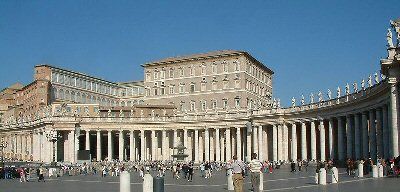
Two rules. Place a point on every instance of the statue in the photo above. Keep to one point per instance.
(338, 92)
(121, 114)
(311, 98)
(320, 97)
(293, 102)
(347, 89)
(383, 77)
(329, 94)
(389, 38)
(274, 103)
(302, 99)
(278, 103)
(376, 78)
(355, 87)
(109, 113)
(363, 84)
(131, 114)
(370, 81)
(396, 26)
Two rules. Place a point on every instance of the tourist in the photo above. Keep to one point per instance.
(255, 170)
(190, 172)
(293, 166)
(41, 174)
(238, 168)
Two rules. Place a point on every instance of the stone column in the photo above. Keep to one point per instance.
(322, 144)
(349, 137)
(340, 133)
(357, 147)
(217, 146)
(280, 142)
(228, 143)
(364, 130)
(131, 146)
(293, 152)
(303, 141)
(164, 144)
(254, 140)
(285, 142)
(330, 138)
(175, 138)
(248, 141)
(385, 132)
(238, 143)
(142, 147)
(110, 145)
(185, 137)
(153, 145)
(98, 145)
(261, 143)
(275, 142)
(223, 148)
(394, 123)
(196, 145)
(121, 149)
(313, 142)
(206, 144)
(379, 142)
(87, 143)
(372, 135)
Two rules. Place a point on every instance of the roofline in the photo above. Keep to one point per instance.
(74, 72)
(234, 53)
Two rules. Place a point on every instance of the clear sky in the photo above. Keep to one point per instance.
(310, 45)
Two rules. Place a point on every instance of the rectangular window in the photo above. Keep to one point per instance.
(237, 102)
(214, 68)
(192, 106)
(226, 84)
(171, 90)
(171, 73)
(163, 74)
(237, 66)
(214, 85)
(203, 105)
(192, 88)
(214, 104)
(181, 88)
(203, 87)
(148, 77)
(225, 103)
(162, 91)
(182, 72)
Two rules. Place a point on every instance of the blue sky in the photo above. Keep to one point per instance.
(310, 45)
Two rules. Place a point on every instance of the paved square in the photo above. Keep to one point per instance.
(280, 180)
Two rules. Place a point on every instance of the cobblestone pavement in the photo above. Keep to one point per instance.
(280, 180)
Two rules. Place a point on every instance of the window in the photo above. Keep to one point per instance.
(214, 68)
(203, 105)
(192, 105)
(181, 88)
(203, 87)
(214, 104)
(237, 84)
(181, 71)
(53, 77)
(191, 71)
(156, 74)
(226, 85)
(182, 106)
(225, 66)
(162, 74)
(237, 66)
(148, 76)
(162, 91)
(214, 85)
(237, 102)
(172, 89)
(155, 91)
(171, 73)
(192, 88)
(225, 103)
(203, 69)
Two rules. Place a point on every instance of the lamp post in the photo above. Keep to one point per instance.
(53, 136)
(3, 144)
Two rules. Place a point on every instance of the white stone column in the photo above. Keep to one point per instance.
(164, 144)
(153, 145)
(238, 143)
(394, 123)
(132, 146)
(322, 144)
(217, 146)
(280, 142)
(223, 148)
(261, 143)
(379, 142)
(294, 143)
(254, 140)
(285, 142)
(206, 144)
(212, 144)
(275, 142)
(349, 137)
(364, 130)
(340, 133)
(303, 141)
(313, 142)
(109, 145)
(121, 149)
(87, 140)
(175, 138)
(248, 141)
(98, 145)
(228, 143)
(357, 137)
(385, 132)
(330, 138)
(196, 145)
(372, 135)
(142, 147)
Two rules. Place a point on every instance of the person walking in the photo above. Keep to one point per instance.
(190, 172)
(255, 170)
(238, 168)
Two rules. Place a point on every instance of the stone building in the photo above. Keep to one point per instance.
(216, 104)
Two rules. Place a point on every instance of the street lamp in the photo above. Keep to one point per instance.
(3, 144)
(53, 136)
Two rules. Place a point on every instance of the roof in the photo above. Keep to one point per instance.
(203, 56)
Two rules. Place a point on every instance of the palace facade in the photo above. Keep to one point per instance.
(216, 104)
